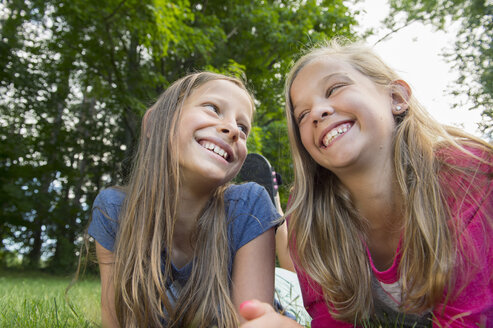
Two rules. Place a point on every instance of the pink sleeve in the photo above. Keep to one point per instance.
(473, 305)
(315, 305)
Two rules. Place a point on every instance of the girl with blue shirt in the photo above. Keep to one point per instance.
(179, 246)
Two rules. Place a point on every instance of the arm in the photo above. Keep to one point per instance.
(262, 315)
(472, 306)
(253, 270)
(471, 303)
(108, 312)
(282, 250)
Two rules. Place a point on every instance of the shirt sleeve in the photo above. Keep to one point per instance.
(472, 305)
(104, 222)
(250, 211)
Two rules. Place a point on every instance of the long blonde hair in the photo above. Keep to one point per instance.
(326, 231)
(147, 221)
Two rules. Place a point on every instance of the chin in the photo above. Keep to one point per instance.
(216, 181)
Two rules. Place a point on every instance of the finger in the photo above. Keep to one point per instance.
(254, 309)
(271, 320)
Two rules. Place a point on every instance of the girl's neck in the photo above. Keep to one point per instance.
(190, 205)
(377, 197)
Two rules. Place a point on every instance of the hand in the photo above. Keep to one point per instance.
(262, 315)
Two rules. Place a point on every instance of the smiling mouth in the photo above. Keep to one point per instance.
(336, 132)
(215, 149)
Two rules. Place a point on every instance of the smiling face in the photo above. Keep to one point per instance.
(212, 131)
(345, 120)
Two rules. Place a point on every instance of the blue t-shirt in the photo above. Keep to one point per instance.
(249, 213)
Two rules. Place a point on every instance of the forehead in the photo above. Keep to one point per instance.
(224, 92)
(317, 73)
(322, 68)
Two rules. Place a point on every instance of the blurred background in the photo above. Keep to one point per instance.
(76, 77)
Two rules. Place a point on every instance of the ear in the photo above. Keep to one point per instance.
(401, 93)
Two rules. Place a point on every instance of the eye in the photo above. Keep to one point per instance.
(212, 107)
(333, 88)
(243, 128)
(301, 116)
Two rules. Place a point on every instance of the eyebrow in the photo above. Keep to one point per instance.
(324, 80)
(222, 101)
(217, 99)
(333, 75)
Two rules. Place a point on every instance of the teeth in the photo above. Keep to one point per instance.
(332, 134)
(215, 148)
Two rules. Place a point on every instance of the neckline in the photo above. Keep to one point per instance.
(182, 268)
(389, 275)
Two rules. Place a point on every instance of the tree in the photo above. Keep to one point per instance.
(473, 51)
(76, 77)
(74, 92)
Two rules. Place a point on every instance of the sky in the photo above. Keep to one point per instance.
(415, 53)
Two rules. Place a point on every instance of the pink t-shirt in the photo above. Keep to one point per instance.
(473, 305)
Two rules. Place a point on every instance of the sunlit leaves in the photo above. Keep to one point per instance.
(472, 54)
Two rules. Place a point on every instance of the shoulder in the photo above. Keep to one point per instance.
(250, 212)
(473, 156)
(106, 207)
(105, 214)
(466, 175)
(109, 197)
(249, 198)
(245, 191)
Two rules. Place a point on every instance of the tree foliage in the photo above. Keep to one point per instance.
(473, 50)
(76, 77)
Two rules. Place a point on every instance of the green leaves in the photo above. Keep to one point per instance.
(78, 75)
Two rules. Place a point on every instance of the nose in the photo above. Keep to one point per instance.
(230, 130)
(320, 112)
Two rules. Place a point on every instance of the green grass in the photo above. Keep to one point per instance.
(36, 299)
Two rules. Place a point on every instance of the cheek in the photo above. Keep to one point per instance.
(242, 151)
(386, 124)
(306, 138)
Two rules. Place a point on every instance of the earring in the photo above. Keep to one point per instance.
(398, 107)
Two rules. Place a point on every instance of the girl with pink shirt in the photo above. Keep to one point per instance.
(390, 218)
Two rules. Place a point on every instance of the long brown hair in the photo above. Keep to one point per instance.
(327, 230)
(147, 221)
